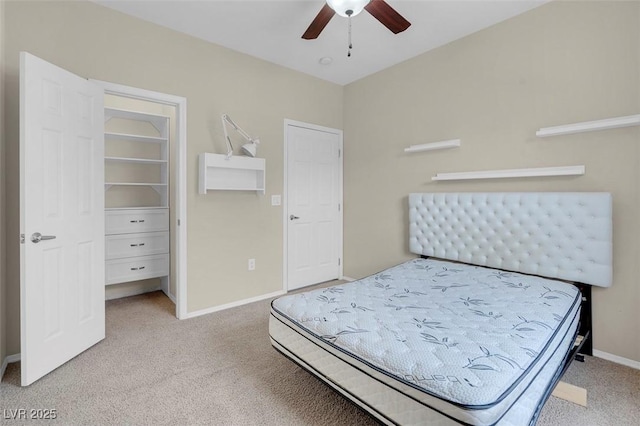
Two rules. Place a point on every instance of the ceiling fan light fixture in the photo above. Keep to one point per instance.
(347, 8)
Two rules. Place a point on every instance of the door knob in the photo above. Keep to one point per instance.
(37, 237)
(292, 217)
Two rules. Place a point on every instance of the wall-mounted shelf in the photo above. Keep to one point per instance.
(433, 145)
(513, 173)
(590, 126)
(234, 174)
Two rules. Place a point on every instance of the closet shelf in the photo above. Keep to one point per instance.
(158, 121)
(453, 143)
(134, 160)
(160, 188)
(135, 208)
(135, 184)
(513, 173)
(134, 138)
(590, 126)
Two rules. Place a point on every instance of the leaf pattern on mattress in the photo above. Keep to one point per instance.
(434, 325)
(444, 288)
(443, 341)
(526, 325)
(408, 293)
(550, 294)
(486, 314)
(348, 330)
(474, 363)
(325, 299)
(468, 301)
(519, 286)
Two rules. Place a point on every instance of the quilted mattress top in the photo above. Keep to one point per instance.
(463, 333)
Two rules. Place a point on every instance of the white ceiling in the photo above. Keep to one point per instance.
(272, 29)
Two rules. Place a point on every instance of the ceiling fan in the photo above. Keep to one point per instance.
(348, 8)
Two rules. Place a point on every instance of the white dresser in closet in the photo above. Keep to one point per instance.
(137, 197)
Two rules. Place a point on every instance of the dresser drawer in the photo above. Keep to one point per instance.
(130, 245)
(132, 221)
(136, 268)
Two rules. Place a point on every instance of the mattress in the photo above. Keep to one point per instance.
(431, 340)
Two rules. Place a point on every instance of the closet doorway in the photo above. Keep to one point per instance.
(145, 193)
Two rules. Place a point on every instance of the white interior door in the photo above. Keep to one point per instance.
(61, 216)
(314, 197)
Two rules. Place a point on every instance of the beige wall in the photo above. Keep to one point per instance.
(3, 293)
(561, 63)
(224, 228)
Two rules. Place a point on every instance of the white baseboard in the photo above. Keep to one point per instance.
(347, 278)
(617, 359)
(234, 304)
(169, 295)
(8, 360)
(3, 367)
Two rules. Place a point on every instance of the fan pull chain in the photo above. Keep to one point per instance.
(350, 45)
(349, 13)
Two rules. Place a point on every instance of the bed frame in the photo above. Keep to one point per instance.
(566, 236)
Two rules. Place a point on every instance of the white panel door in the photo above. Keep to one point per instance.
(313, 206)
(61, 216)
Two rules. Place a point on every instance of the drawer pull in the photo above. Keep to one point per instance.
(137, 221)
(137, 245)
(140, 268)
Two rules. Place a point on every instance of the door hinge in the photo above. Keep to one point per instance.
(338, 207)
(339, 153)
(21, 238)
(338, 261)
(178, 222)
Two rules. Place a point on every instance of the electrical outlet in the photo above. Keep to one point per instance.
(276, 200)
(252, 264)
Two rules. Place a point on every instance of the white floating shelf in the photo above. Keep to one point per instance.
(134, 138)
(238, 173)
(433, 145)
(513, 173)
(590, 126)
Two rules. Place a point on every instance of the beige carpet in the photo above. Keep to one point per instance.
(220, 369)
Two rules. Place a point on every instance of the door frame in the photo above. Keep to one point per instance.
(285, 201)
(180, 176)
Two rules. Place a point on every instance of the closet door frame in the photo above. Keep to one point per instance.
(179, 157)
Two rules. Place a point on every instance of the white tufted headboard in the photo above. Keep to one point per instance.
(566, 235)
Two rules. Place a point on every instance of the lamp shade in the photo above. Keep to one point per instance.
(249, 149)
(343, 7)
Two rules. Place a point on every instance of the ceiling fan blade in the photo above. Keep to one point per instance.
(387, 16)
(321, 20)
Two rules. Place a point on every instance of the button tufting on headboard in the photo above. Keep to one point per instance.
(566, 235)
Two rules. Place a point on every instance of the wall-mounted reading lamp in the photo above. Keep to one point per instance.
(249, 148)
